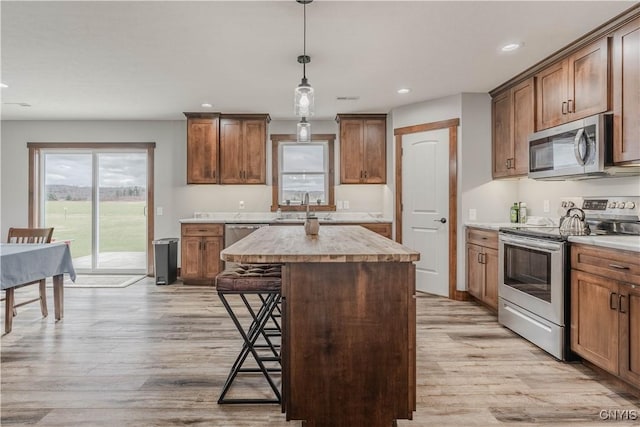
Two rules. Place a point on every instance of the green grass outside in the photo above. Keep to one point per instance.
(122, 225)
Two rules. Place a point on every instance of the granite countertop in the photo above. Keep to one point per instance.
(287, 218)
(342, 243)
(626, 243)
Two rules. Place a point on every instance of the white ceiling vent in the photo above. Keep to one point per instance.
(347, 98)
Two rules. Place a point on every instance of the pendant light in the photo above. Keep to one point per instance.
(304, 130)
(303, 100)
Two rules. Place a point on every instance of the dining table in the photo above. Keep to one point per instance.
(29, 263)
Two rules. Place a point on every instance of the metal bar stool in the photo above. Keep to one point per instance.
(264, 282)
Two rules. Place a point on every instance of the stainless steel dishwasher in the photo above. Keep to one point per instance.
(235, 232)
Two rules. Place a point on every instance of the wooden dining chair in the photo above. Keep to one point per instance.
(29, 235)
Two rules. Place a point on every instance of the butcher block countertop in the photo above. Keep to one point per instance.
(332, 244)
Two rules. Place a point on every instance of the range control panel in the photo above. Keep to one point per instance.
(627, 208)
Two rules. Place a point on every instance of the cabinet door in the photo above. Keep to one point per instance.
(254, 135)
(375, 151)
(490, 290)
(551, 96)
(475, 271)
(191, 259)
(502, 146)
(630, 333)
(351, 142)
(211, 263)
(626, 93)
(202, 151)
(231, 151)
(522, 125)
(588, 91)
(594, 319)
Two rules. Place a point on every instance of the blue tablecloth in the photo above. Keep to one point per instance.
(23, 262)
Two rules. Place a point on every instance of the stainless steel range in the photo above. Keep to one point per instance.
(534, 270)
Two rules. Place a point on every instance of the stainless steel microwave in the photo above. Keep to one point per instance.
(576, 150)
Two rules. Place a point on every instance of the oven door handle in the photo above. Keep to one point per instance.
(530, 243)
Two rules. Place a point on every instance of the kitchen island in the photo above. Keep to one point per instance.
(348, 346)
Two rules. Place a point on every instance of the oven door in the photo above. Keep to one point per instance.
(531, 275)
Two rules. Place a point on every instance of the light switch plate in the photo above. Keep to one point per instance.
(545, 206)
(473, 214)
(159, 211)
(241, 204)
(345, 204)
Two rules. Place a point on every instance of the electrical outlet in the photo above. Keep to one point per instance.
(339, 205)
(345, 204)
(241, 204)
(473, 214)
(545, 206)
(159, 211)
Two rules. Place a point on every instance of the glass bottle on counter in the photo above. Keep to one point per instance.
(522, 213)
(513, 212)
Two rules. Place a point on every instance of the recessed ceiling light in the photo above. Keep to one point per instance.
(404, 90)
(511, 46)
(207, 105)
(3, 85)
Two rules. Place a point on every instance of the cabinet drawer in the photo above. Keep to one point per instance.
(202, 229)
(486, 238)
(614, 264)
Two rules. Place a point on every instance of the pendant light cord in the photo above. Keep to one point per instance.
(304, 40)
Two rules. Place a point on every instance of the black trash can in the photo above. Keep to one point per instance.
(166, 260)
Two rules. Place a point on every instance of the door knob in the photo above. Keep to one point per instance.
(442, 220)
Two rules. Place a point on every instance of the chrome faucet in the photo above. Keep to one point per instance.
(306, 202)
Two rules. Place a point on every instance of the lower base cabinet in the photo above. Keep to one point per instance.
(482, 266)
(605, 309)
(200, 249)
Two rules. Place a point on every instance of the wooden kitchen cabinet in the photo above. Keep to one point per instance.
(363, 148)
(200, 253)
(202, 148)
(512, 116)
(482, 265)
(243, 139)
(575, 87)
(605, 309)
(626, 93)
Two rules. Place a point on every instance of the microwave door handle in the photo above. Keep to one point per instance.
(578, 142)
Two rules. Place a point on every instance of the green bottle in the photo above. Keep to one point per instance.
(514, 212)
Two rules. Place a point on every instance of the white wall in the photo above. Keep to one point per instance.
(177, 199)
(475, 187)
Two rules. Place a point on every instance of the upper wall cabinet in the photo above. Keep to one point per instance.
(626, 93)
(575, 87)
(202, 148)
(243, 139)
(512, 113)
(363, 148)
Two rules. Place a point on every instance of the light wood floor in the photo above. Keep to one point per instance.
(151, 355)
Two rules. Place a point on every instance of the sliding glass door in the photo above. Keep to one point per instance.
(97, 200)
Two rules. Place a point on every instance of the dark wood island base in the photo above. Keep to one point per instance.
(349, 343)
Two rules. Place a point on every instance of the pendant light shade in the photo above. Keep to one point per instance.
(304, 99)
(304, 102)
(304, 130)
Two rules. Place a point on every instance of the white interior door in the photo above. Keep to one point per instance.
(425, 201)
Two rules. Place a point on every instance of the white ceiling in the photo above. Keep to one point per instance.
(154, 60)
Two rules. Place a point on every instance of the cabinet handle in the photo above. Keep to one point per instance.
(564, 108)
(366, 174)
(214, 174)
(361, 175)
(620, 300)
(479, 258)
(571, 108)
(612, 298)
(619, 267)
(506, 164)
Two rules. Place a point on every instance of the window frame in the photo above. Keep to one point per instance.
(276, 140)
